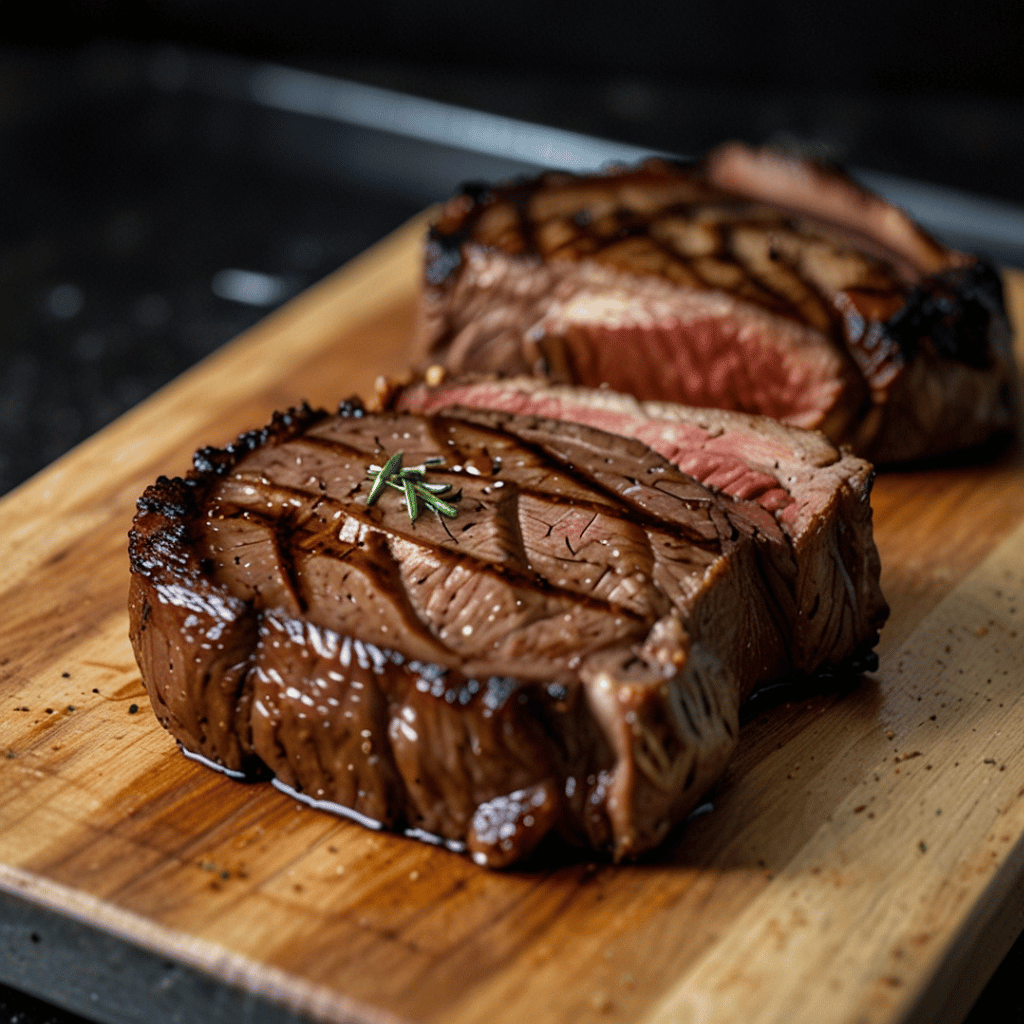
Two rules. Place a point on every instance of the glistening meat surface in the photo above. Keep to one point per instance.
(568, 655)
(805, 502)
(751, 282)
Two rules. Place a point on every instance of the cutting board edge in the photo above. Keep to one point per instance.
(984, 939)
(59, 925)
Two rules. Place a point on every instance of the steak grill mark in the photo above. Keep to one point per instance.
(600, 720)
(684, 284)
(576, 235)
(307, 537)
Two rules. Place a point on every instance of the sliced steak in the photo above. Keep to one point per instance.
(567, 655)
(750, 282)
(807, 503)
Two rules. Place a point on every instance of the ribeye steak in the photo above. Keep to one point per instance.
(567, 655)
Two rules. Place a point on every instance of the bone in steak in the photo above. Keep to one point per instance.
(751, 281)
(568, 655)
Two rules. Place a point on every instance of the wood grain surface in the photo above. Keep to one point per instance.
(863, 862)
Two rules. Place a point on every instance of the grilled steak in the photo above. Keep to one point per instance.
(567, 655)
(807, 503)
(749, 282)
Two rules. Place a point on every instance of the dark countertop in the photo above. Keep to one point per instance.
(154, 203)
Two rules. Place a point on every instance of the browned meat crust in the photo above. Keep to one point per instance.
(751, 282)
(807, 502)
(568, 655)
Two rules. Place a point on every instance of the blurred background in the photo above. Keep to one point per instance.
(172, 170)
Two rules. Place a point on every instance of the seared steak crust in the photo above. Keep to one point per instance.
(807, 504)
(749, 282)
(569, 654)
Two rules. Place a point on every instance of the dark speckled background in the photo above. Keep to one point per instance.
(150, 209)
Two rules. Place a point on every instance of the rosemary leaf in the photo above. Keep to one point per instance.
(411, 501)
(383, 476)
(443, 507)
(393, 465)
(378, 486)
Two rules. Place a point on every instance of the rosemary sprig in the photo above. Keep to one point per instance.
(412, 483)
(384, 474)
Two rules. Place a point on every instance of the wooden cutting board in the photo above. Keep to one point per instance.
(863, 861)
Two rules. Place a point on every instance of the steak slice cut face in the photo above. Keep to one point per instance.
(567, 655)
(806, 503)
(751, 282)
